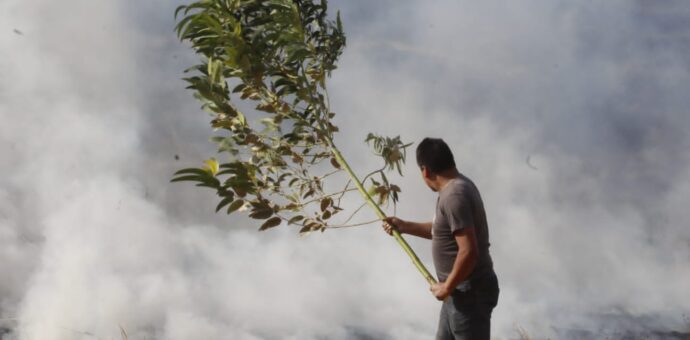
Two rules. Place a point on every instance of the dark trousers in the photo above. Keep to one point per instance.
(466, 314)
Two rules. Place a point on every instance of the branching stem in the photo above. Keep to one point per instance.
(364, 180)
(396, 234)
(353, 225)
(355, 212)
(327, 195)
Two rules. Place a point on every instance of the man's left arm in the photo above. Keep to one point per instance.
(464, 263)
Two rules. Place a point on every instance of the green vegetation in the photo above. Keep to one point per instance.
(275, 56)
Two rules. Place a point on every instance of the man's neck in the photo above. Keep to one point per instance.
(444, 178)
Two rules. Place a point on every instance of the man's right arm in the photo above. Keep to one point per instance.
(420, 229)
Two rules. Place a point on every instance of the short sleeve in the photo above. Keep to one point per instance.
(458, 212)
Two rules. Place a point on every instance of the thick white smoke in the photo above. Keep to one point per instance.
(571, 118)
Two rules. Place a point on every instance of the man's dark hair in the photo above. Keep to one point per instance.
(435, 155)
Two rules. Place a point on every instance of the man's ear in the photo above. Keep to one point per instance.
(425, 172)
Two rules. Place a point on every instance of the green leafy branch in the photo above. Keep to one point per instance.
(276, 55)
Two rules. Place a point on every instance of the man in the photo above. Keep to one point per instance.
(459, 232)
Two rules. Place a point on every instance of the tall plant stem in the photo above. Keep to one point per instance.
(398, 237)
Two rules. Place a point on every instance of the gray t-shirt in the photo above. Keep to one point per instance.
(459, 206)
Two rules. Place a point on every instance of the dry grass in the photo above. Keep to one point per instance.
(123, 332)
(522, 333)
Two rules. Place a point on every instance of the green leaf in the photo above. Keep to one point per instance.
(225, 201)
(235, 205)
(334, 163)
(189, 178)
(261, 211)
(311, 225)
(295, 219)
(310, 192)
(325, 203)
(192, 171)
(270, 223)
(339, 23)
(209, 184)
(239, 88)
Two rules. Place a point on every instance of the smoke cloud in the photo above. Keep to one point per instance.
(570, 117)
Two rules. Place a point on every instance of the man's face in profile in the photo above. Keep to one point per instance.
(427, 176)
